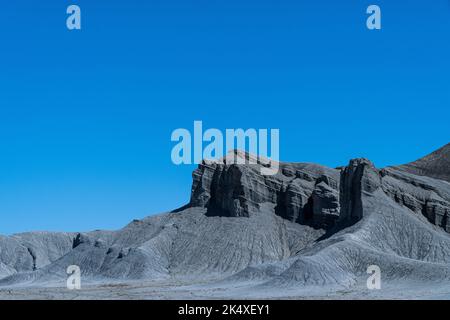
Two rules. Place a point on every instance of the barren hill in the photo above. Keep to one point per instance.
(307, 231)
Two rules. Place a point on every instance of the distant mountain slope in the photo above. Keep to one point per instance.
(435, 165)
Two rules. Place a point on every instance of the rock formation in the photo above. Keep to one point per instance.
(308, 225)
(301, 192)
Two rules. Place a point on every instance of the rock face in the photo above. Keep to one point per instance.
(359, 177)
(325, 203)
(419, 194)
(301, 192)
(308, 225)
(314, 195)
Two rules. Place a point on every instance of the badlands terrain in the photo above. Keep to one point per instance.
(308, 232)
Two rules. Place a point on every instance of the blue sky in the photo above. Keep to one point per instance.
(86, 116)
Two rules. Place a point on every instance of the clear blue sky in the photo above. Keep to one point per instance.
(86, 116)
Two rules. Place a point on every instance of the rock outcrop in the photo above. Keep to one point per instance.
(358, 178)
(313, 195)
(419, 194)
(301, 192)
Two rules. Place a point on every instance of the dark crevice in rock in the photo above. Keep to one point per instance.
(80, 239)
(426, 212)
(307, 216)
(213, 208)
(444, 221)
(76, 241)
(280, 208)
(33, 256)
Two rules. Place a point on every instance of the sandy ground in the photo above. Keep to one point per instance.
(219, 290)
